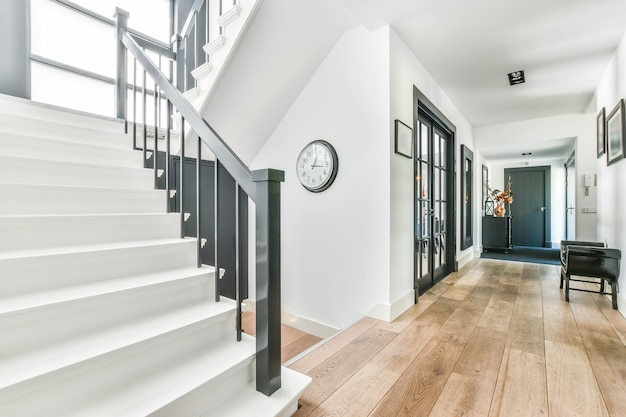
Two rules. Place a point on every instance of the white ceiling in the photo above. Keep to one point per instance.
(469, 47)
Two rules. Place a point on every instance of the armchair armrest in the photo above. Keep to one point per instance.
(567, 243)
(594, 251)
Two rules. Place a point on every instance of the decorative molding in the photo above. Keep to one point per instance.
(202, 70)
(214, 45)
(192, 93)
(229, 16)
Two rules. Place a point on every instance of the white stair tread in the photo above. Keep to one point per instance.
(21, 368)
(87, 248)
(44, 299)
(249, 402)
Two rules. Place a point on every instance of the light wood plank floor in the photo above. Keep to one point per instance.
(292, 341)
(495, 339)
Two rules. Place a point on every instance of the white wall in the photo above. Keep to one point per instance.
(611, 195)
(406, 72)
(348, 252)
(335, 244)
(579, 126)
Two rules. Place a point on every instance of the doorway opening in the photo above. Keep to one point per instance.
(570, 197)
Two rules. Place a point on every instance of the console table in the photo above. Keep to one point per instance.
(497, 233)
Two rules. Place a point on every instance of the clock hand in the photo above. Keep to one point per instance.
(316, 166)
(314, 161)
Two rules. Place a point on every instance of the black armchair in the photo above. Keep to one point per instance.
(590, 259)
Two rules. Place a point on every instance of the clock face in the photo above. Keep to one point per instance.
(317, 166)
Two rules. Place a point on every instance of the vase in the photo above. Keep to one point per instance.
(499, 210)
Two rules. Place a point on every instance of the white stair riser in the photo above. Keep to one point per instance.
(29, 113)
(37, 340)
(38, 232)
(34, 171)
(132, 376)
(57, 271)
(41, 199)
(33, 147)
(54, 131)
(214, 392)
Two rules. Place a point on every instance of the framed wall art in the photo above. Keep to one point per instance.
(600, 136)
(404, 139)
(615, 134)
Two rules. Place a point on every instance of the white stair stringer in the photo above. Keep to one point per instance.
(219, 51)
(103, 309)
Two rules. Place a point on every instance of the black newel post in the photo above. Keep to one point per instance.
(268, 279)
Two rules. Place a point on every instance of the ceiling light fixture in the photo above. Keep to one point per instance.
(517, 77)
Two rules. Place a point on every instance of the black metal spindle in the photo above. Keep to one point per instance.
(216, 231)
(144, 101)
(182, 176)
(185, 49)
(207, 38)
(197, 34)
(168, 125)
(237, 260)
(155, 163)
(198, 193)
(220, 13)
(135, 104)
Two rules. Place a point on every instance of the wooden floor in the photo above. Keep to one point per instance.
(293, 341)
(495, 339)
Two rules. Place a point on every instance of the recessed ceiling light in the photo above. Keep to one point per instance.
(516, 77)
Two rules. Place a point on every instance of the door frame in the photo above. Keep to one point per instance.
(570, 177)
(547, 232)
(421, 105)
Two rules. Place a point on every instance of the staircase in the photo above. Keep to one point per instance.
(103, 311)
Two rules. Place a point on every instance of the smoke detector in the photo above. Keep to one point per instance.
(517, 77)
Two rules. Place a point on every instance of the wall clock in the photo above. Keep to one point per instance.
(317, 166)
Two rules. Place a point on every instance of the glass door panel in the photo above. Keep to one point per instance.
(431, 205)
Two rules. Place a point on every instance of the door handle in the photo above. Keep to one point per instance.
(543, 209)
(429, 212)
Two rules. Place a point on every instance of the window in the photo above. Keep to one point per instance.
(73, 54)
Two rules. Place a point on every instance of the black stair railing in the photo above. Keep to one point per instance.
(261, 186)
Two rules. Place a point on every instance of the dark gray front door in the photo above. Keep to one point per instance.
(530, 210)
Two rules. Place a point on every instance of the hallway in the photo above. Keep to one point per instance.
(495, 339)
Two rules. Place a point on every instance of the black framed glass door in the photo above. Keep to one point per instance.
(434, 176)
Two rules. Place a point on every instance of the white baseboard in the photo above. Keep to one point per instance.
(390, 312)
(303, 324)
(621, 303)
(466, 258)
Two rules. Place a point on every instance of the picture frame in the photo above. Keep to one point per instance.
(600, 132)
(614, 131)
(485, 188)
(403, 139)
